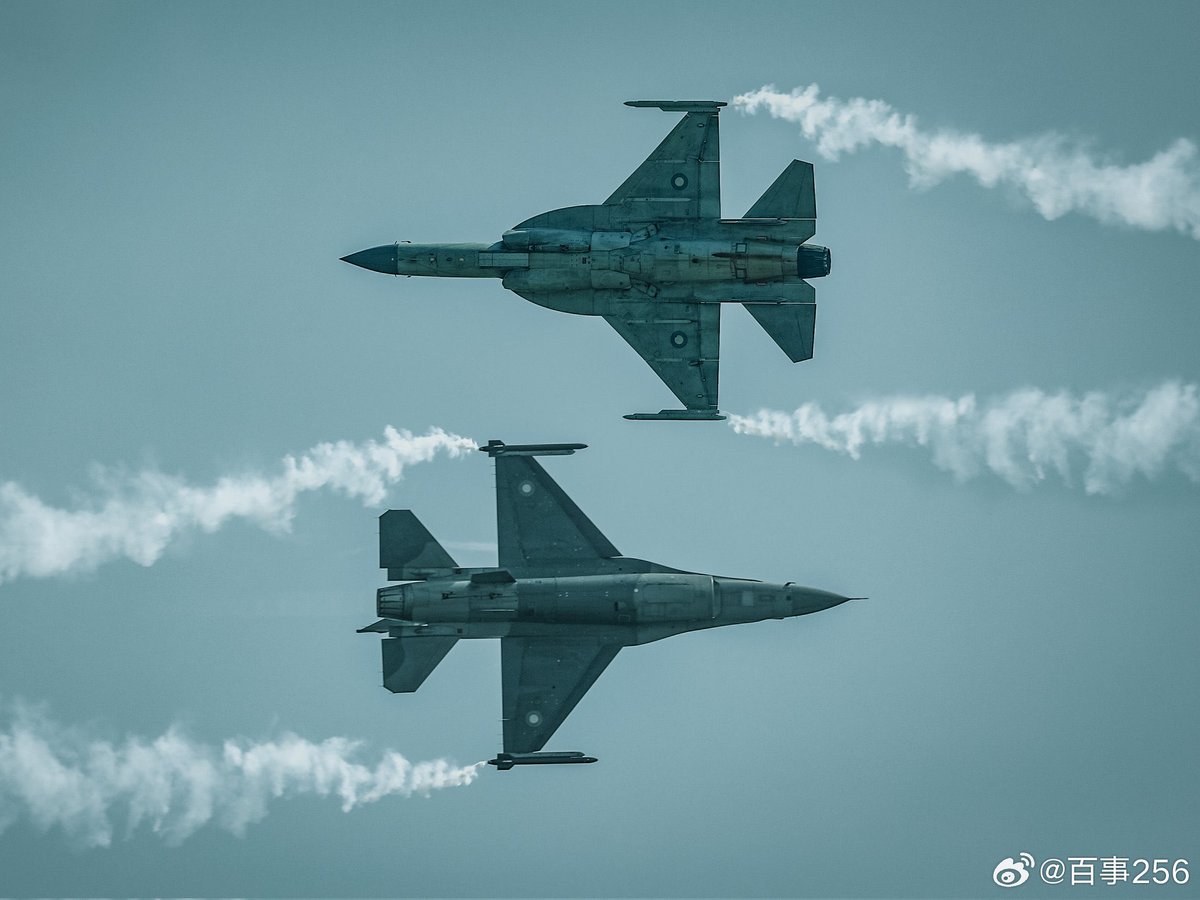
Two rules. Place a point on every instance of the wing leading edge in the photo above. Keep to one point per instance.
(680, 341)
(681, 179)
(543, 679)
(536, 522)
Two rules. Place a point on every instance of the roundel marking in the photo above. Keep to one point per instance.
(678, 339)
(534, 718)
(679, 181)
(525, 487)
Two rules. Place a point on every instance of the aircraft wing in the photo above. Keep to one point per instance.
(681, 179)
(537, 523)
(543, 678)
(680, 341)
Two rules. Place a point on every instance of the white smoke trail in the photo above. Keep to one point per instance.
(1057, 175)
(58, 777)
(137, 516)
(1020, 437)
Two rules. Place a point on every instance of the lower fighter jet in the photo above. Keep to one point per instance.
(656, 260)
(563, 601)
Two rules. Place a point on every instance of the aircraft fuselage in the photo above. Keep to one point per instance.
(563, 601)
(638, 607)
(564, 269)
(657, 260)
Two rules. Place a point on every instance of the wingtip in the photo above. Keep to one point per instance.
(713, 106)
(677, 415)
(495, 448)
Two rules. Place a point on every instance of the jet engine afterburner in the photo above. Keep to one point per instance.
(812, 261)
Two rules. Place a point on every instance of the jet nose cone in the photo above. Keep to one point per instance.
(810, 600)
(378, 259)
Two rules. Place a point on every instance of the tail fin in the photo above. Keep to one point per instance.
(791, 325)
(792, 196)
(408, 551)
(407, 661)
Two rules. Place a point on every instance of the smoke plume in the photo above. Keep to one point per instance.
(137, 516)
(57, 777)
(1056, 174)
(1022, 437)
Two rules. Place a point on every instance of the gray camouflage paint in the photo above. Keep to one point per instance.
(563, 600)
(656, 259)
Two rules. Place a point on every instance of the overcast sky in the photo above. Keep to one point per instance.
(997, 442)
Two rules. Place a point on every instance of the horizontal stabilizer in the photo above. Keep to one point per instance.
(791, 325)
(677, 415)
(497, 448)
(792, 196)
(678, 105)
(407, 661)
(380, 627)
(408, 551)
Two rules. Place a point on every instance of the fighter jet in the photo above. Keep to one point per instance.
(563, 601)
(656, 259)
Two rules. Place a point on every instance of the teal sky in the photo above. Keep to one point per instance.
(177, 183)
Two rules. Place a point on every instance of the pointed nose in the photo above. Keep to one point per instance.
(383, 259)
(811, 600)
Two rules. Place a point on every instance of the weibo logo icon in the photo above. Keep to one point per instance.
(1011, 872)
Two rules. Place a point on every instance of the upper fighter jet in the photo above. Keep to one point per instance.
(563, 601)
(656, 259)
